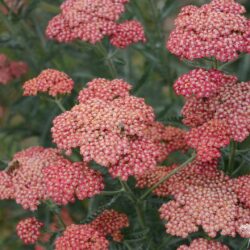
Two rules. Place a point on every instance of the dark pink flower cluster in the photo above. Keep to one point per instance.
(10, 70)
(203, 244)
(127, 33)
(217, 106)
(215, 30)
(110, 222)
(242, 189)
(91, 21)
(6, 186)
(114, 129)
(64, 182)
(203, 199)
(92, 236)
(28, 230)
(208, 139)
(52, 81)
(37, 174)
(202, 83)
(81, 237)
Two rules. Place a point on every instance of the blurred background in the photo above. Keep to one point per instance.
(26, 121)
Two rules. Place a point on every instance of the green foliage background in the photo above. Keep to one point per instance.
(150, 68)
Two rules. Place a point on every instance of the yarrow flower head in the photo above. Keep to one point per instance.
(6, 187)
(28, 230)
(205, 199)
(52, 81)
(110, 222)
(203, 244)
(217, 29)
(82, 237)
(104, 89)
(27, 177)
(215, 101)
(208, 139)
(127, 33)
(202, 83)
(64, 182)
(111, 128)
(10, 70)
(91, 21)
(242, 188)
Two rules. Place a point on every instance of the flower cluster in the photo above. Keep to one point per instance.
(37, 174)
(217, 29)
(202, 83)
(91, 21)
(112, 128)
(92, 236)
(203, 244)
(63, 183)
(82, 237)
(28, 230)
(110, 222)
(127, 33)
(242, 189)
(52, 81)
(217, 106)
(203, 199)
(10, 70)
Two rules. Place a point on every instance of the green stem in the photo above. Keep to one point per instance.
(136, 203)
(215, 63)
(112, 192)
(60, 220)
(108, 60)
(233, 147)
(59, 104)
(175, 171)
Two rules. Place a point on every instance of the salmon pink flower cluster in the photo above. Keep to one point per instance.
(93, 236)
(28, 230)
(50, 81)
(217, 107)
(112, 128)
(37, 174)
(203, 244)
(10, 70)
(91, 21)
(217, 29)
(202, 199)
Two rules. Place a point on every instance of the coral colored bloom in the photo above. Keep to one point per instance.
(203, 244)
(230, 105)
(208, 139)
(203, 199)
(26, 173)
(110, 222)
(86, 20)
(104, 89)
(52, 81)
(82, 237)
(64, 182)
(110, 127)
(127, 33)
(6, 186)
(242, 189)
(202, 83)
(217, 29)
(28, 230)
(10, 70)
